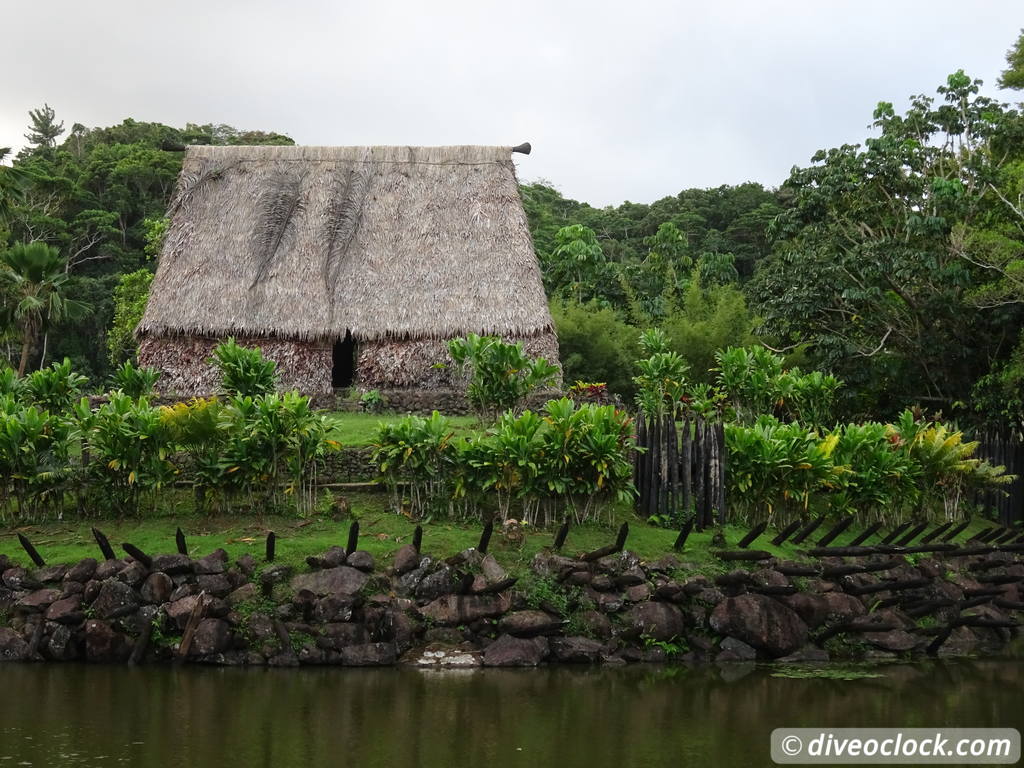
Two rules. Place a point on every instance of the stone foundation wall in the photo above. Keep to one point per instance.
(426, 362)
(466, 610)
(402, 367)
(185, 370)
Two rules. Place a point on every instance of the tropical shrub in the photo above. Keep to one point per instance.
(34, 449)
(947, 465)
(130, 449)
(130, 297)
(501, 375)
(201, 430)
(775, 469)
(755, 382)
(419, 456)
(134, 381)
(661, 377)
(878, 472)
(564, 459)
(372, 401)
(244, 371)
(55, 388)
(879, 481)
(10, 383)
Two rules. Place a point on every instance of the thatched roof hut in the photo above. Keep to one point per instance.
(388, 251)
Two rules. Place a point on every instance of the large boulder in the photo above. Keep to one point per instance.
(213, 564)
(50, 573)
(576, 650)
(82, 571)
(761, 622)
(157, 588)
(103, 644)
(212, 636)
(342, 580)
(508, 651)
(66, 611)
(60, 643)
(406, 559)
(12, 646)
(369, 655)
(816, 609)
(172, 565)
(179, 611)
(452, 610)
(115, 599)
(438, 583)
(361, 560)
(37, 602)
(530, 624)
(659, 621)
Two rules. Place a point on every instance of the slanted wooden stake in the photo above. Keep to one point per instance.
(31, 551)
(190, 628)
(563, 531)
(138, 554)
(179, 538)
(841, 526)
(752, 534)
(786, 532)
(485, 537)
(914, 532)
(104, 544)
(611, 549)
(895, 532)
(956, 531)
(417, 538)
(684, 533)
(866, 534)
(271, 546)
(808, 530)
(353, 537)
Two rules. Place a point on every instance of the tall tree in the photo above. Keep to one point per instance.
(866, 270)
(1013, 76)
(44, 129)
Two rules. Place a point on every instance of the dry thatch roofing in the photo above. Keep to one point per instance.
(314, 242)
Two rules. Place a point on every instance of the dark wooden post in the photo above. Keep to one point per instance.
(754, 532)
(104, 544)
(684, 533)
(138, 554)
(353, 537)
(31, 551)
(785, 533)
(179, 538)
(485, 537)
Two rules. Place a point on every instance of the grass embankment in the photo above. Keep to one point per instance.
(358, 429)
(381, 533)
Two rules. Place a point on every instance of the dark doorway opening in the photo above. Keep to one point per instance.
(343, 362)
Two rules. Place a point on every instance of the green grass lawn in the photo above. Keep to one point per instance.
(357, 428)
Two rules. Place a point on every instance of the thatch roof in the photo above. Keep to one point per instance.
(313, 242)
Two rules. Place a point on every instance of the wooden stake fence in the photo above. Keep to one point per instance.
(680, 473)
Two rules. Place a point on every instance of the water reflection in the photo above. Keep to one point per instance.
(77, 715)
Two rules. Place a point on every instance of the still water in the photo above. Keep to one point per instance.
(66, 715)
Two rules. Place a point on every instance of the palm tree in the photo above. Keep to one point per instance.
(32, 285)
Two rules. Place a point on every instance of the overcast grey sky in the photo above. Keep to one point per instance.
(621, 100)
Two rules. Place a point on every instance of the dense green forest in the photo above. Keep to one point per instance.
(896, 264)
